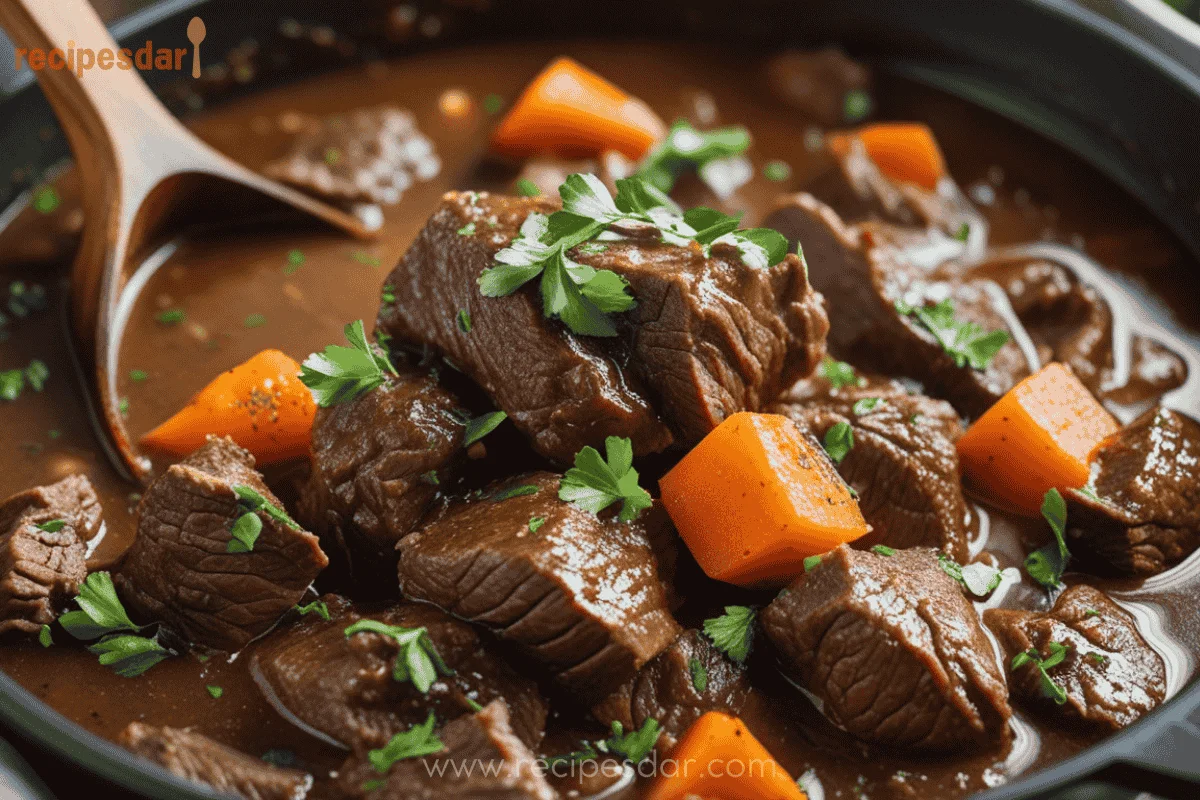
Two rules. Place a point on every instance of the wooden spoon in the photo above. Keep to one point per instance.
(143, 175)
(196, 33)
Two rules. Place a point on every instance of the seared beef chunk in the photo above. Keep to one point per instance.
(197, 758)
(903, 464)
(825, 86)
(1141, 513)
(179, 570)
(41, 567)
(377, 462)
(677, 687)
(1110, 675)
(581, 593)
(893, 649)
(341, 688)
(863, 278)
(482, 759)
(708, 337)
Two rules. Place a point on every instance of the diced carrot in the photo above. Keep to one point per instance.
(719, 758)
(572, 112)
(1037, 437)
(260, 404)
(755, 498)
(906, 152)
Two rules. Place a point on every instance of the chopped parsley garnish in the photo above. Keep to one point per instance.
(1091, 612)
(255, 321)
(699, 675)
(466, 230)
(977, 578)
(215, 692)
(373, 785)
(883, 550)
(777, 171)
(839, 441)
(388, 295)
(527, 188)
(866, 405)
(595, 483)
(46, 200)
(416, 742)
(1047, 564)
(365, 258)
(138, 375)
(856, 105)
(463, 320)
(37, 373)
(492, 103)
(430, 477)
(295, 260)
(417, 662)
(1098, 658)
(341, 374)
(318, 607)
(965, 342)
(633, 746)
(123, 406)
(1031, 656)
(811, 563)
(687, 148)
(247, 527)
(733, 632)
(536, 523)
(44, 637)
(522, 490)
(101, 616)
(172, 316)
(839, 373)
(582, 297)
(481, 426)
(964, 232)
(12, 382)
(51, 526)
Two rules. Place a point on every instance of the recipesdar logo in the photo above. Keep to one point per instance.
(77, 58)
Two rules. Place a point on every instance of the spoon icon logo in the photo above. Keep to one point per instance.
(195, 34)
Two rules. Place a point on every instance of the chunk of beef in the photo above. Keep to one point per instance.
(677, 687)
(581, 594)
(1110, 675)
(708, 337)
(179, 570)
(482, 759)
(817, 83)
(862, 278)
(1141, 513)
(377, 462)
(341, 688)
(892, 649)
(195, 757)
(41, 567)
(903, 464)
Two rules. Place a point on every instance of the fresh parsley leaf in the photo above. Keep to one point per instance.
(318, 607)
(12, 383)
(965, 342)
(839, 441)
(595, 484)
(527, 188)
(129, 655)
(417, 662)
(1098, 658)
(635, 745)
(883, 550)
(856, 105)
(811, 563)
(251, 500)
(536, 523)
(45, 639)
(255, 321)
(416, 742)
(839, 373)
(520, 490)
(215, 692)
(699, 675)
(244, 533)
(733, 632)
(373, 785)
(687, 148)
(964, 232)
(777, 171)
(1046, 565)
(51, 526)
(341, 374)
(492, 103)
(138, 375)
(100, 611)
(481, 426)
(467, 230)
(1091, 612)
(1058, 652)
(463, 320)
(866, 405)
(977, 578)
(37, 374)
(172, 316)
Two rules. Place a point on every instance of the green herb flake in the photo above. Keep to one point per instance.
(36, 374)
(699, 675)
(492, 103)
(463, 320)
(733, 632)
(481, 426)
(389, 293)
(295, 260)
(418, 661)
(1058, 652)
(595, 483)
(527, 188)
(811, 563)
(123, 407)
(1098, 658)
(685, 147)
(536, 523)
(255, 321)
(883, 550)
(373, 785)
(416, 742)
(366, 259)
(1047, 564)
(341, 374)
(129, 656)
(12, 383)
(839, 373)
(318, 607)
(839, 441)
(964, 232)
(215, 692)
(856, 105)
(138, 375)
(467, 230)
(44, 637)
(777, 171)
(522, 490)
(332, 156)
(1091, 612)
(965, 342)
(978, 578)
(633, 746)
(866, 405)
(51, 526)
(46, 200)
(172, 316)
(430, 477)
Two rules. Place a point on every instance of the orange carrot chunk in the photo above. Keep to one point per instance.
(260, 404)
(1037, 437)
(755, 498)
(572, 112)
(906, 152)
(718, 758)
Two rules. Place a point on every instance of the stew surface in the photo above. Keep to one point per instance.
(889, 668)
